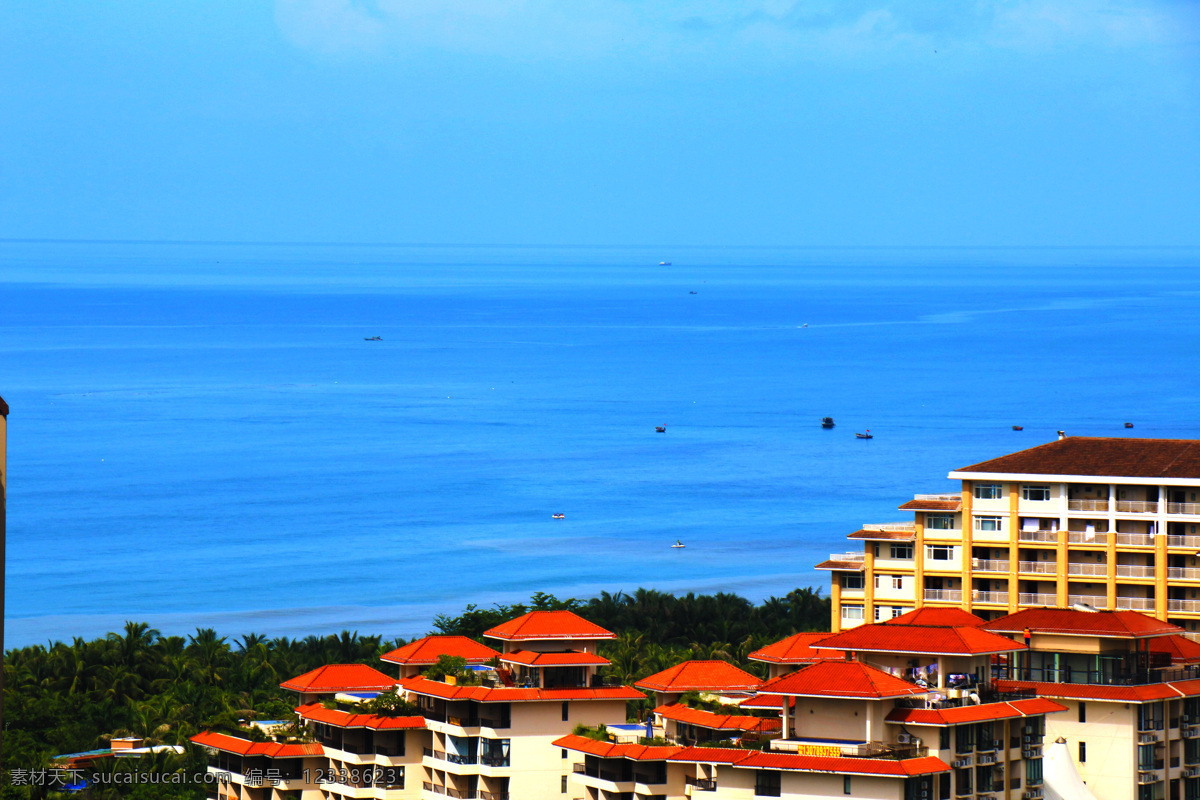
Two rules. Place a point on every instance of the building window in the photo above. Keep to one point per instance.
(1083, 752)
(897, 582)
(897, 611)
(845, 784)
(989, 491)
(939, 552)
(902, 551)
(564, 784)
(852, 612)
(852, 581)
(1035, 491)
(989, 523)
(566, 711)
(564, 752)
(1033, 771)
(767, 783)
(939, 522)
(1083, 712)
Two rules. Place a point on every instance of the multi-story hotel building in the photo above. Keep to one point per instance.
(1111, 523)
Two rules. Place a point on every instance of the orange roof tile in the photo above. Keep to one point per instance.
(245, 747)
(766, 702)
(571, 658)
(756, 759)
(717, 722)
(918, 639)
(1099, 456)
(795, 649)
(1181, 649)
(980, 713)
(427, 650)
(344, 719)
(842, 566)
(933, 617)
(634, 752)
(1073, 622)
(510, 694)
(700, 676)
(850, 679)
(1119, 694)
(932, 505)
(340, 678)
(548, 625)
(876, 535)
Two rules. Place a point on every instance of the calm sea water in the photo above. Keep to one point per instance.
(200, 435)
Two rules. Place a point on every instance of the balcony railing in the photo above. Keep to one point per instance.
(493, 795)
(1136, 539)
(495, 761)
(1087, 537)
(1137, 506)
(890, 526)
(452, 758)
(1135, 603)
(1036, 599)
(1183, 508)
(1188, 542)
(1125, 672)
(1037, 536)
(700, 784)
(1094, 600)
(989, 565)
(1134, 571)
(1087, 569)
(1186, 606)
(601, 773)
(990, 597)
(952, 595)
(852, 556)
(1038, 567)
(1087, 505)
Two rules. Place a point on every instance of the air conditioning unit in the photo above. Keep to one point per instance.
(986, 758)
(903, 738)
(1191, 772)
(1147, 738)
(1032, 793)
(924, 793)
(998, 744)
(1028, 753)
(1027, 737)
(962, 762)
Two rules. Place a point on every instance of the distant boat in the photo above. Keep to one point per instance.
(691, 292)
(678, 544)
(1128, 424)
(372, 338)
(866, 435)
(660, 428)
(664, 263)
(559, 516)
(1017, 428)
(827, 422)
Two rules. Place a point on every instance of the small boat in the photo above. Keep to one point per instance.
(372, 338)
(827, 422)
(866, 435)
(1017, 428)
(664, 263)
(559, 516)
(691, 292)
(678, 544)
(1128, 424)
(660, 428)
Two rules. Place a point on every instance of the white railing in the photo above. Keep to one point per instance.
(946, 497)
(1087, 569)
(1190, 542)
(1135, 603)
(1183, 508)
(1183, 573)
(1032, 599)
(1136, 539)
(1134, 571)
(989, 565)
(1187, 606)
(1087, 505)
(852, 556)
(1087, 537)
(890, 526)
(1137, 507)
(990, 597)
(1037, 536)
(1093, 600)
(1038, 567)
(952, 595)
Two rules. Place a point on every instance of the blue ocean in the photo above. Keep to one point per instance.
(201, 434)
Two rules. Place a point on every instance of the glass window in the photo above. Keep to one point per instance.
(852, 612)
(897, 582)
(1033, 771)
(940, 522)
(939, 552)
(1035, 491)
(989, 491)
(852, 581)
(766, 783)
(902, 551)
(1083, 752)
(989, 523)
(845, 784)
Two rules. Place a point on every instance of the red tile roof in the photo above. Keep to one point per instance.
(933, 617)
(980, 713)
(634, 752)
(795, 649)
(700, 676)
(1108, 457)
(756, 759)
(234, 744)
(842, 566)
(340, 678)
(1181, 649)
(919, 639)
(876, 535)
(1072, 622)
(510, 694)
(548, 625)
(344, 719)
(569, 659)
(766, 702)
(428, 649)
(717, 722)
(1118, 694)
(850, 679)
(932, 505)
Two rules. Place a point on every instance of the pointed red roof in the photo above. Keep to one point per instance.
(634, 752)
(344, 719)
(548, 625)
(333, 678)
(849, 679)
(717, 722)
(700, 676)
(795, 649)
(245, 747)
(933, 617)
(1099, 456)
(1073, 622)
(771, 759)
(427, 650)
(981, 713)
(513, 694)
(919, 639)
(1181, 649)
(571, 658)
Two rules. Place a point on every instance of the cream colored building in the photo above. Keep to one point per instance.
(1112, 523)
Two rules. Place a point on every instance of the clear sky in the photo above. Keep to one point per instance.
(805, 122)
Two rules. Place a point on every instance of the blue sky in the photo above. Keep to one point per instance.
(740, 122)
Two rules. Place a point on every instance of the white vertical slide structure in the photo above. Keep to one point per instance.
(1062, 781)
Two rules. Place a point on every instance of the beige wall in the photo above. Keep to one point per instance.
(735, 783)
(537, 766)
(1111, 736)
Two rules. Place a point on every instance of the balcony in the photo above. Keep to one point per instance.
(700, 784)
(1137, 506)
(1136, 539)
(1185, 542)
(1184, 606)
(1037, 536)
(1134, 571)
(990, 597)
(948, 595)
(450, 758)
(1037, 599)
(1094, 600)
(851, 556)
(1183, 508)
(1087, 537)
(1094, 570)
(1087, 505)
(446, 791)
(989, 565)
(602, 773)
(902, 527)
(1037, 567)
(1135, 604)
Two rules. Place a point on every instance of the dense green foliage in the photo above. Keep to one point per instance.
(64, 698)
